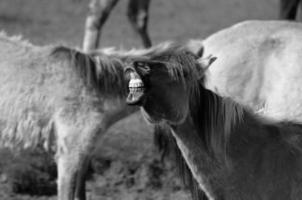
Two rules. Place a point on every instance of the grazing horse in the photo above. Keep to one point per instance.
(99, 11)
(231, 152)
(61, 98)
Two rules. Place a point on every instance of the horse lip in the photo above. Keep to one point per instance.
(135, 96)
(136, 90)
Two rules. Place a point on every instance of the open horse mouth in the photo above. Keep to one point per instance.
(136, 91)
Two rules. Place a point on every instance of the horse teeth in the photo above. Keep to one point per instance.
(133, 90)
(136, 83)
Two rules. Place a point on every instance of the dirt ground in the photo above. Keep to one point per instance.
(45, 22)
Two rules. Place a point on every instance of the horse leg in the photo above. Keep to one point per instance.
(99, 11)
(76, 137)
(80, 192)
(299, 12)
(288, 9)
(67, 176)
(138, 11)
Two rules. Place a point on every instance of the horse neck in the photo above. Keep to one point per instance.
(201, 139)
(199, 161)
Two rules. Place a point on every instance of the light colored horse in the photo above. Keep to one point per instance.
(99, 10)
(259, 65)
(62, 98)
(232, 153)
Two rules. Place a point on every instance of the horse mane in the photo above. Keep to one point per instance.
(103, 73)
(214, 117)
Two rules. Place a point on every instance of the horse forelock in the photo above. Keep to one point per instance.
(103, 73)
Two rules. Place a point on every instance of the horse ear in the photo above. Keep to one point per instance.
(205, 63)
(199, 53)
(196, 47)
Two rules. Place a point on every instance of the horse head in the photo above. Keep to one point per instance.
(161, 84)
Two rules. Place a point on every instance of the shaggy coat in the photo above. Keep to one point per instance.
(61, 98)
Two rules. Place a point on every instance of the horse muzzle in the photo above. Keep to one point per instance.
(136, 90)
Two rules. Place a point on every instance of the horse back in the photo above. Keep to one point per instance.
(35, 85)
(258, 65)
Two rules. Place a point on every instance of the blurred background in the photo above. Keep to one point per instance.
(44, 21)
(125, 165)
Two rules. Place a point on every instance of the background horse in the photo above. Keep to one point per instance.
(61, 98)
(231, 152)
(258, 65)
(99, 11)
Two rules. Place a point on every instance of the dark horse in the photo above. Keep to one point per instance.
(99, 10)
(231, 152)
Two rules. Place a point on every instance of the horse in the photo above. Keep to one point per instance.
(162, 134)
(60, 98)
(99, 10)
(258, 66)
(232, 152)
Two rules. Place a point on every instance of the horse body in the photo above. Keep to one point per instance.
(258, 65)
(231, 152)
(62, 98)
